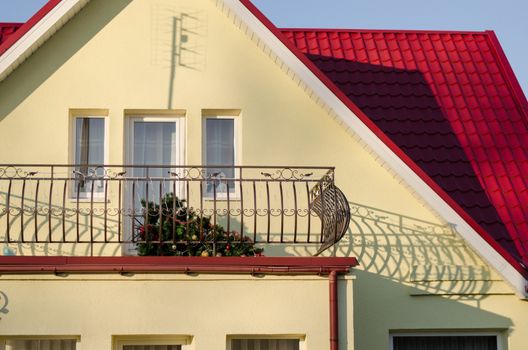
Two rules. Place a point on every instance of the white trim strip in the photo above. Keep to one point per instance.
(37, 34)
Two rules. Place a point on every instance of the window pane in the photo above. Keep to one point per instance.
(265, 344)
(220, 146)
(89, 143)
(151, 347)
(220, 150)
(445, 343)
(48, 344)
(154, 144)
(89, 150)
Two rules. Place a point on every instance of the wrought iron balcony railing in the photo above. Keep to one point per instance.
(109, 210)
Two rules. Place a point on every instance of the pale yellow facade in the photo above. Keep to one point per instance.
(202, 311)
(116, 59)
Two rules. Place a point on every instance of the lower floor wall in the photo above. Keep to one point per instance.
(236, 312)
(202, 311)
(386, 308)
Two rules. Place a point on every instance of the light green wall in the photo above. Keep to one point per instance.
(116, 55)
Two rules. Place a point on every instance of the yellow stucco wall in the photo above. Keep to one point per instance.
(101, 61)
(206, 308)
(116, 55)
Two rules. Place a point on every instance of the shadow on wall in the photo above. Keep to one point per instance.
(4, 301)
(50, 57)
(402, 104)
(178, 39)
(412, 275)
(183, 34)
(383, 305)
(430, 259)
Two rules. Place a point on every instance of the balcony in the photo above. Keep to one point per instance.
(108, 210)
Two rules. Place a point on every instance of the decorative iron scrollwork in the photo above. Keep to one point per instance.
(331, 205)
(97, 204)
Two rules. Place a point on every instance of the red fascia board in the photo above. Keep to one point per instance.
(513, 83)
(192, 264)
(28, 25)
(385, 139)
(385, 31)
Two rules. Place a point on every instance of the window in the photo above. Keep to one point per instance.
(155, 148)
(254, 343)
(444, 342)
(89, 153)
(151, 347)
(220, 148)
(37, 344)
(160, 342)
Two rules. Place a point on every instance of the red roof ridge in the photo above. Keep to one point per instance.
(411, 31)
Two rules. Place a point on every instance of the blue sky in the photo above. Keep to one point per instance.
(506, 17)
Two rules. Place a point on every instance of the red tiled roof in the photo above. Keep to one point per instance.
(6, 29)
(450, 101)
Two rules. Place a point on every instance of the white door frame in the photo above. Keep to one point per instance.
(178, 157)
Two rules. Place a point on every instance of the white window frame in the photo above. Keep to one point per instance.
(121, 340)
(95, 114)
(230, 115)
(300, 337)
(5, 338)
(179, 157)
(179, 120)
(497, 336)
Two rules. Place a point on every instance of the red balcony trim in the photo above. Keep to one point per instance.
(192, 264)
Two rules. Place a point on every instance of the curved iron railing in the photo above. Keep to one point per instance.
(83, 209)
(331, 205)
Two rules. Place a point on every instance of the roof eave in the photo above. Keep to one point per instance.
(32, 34)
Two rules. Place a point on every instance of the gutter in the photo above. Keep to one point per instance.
(334, 316)
(170, 264)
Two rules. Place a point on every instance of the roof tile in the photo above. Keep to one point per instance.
(6, 29)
